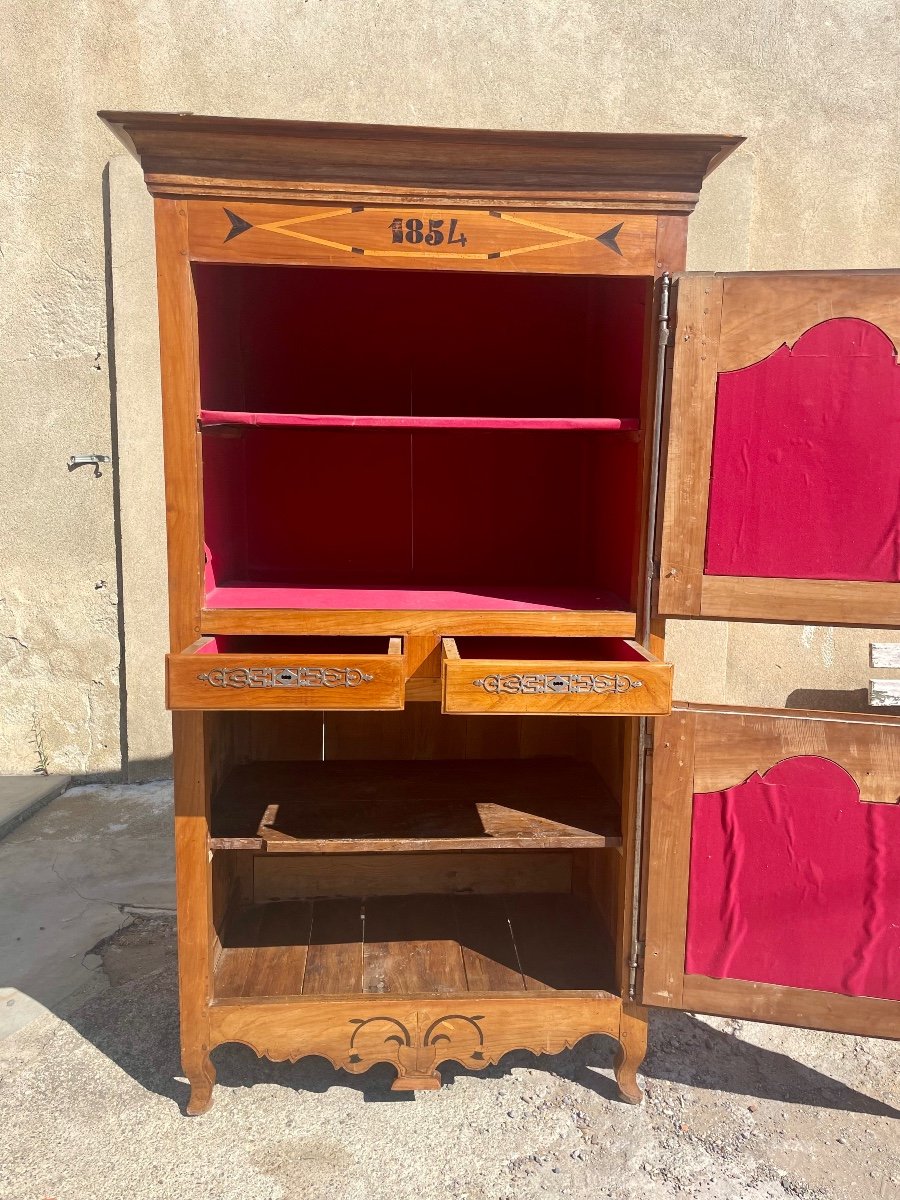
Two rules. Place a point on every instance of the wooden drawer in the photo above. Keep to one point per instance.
(560, 675)
(252, 673)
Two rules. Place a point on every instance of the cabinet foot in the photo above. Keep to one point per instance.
(416, 1083)
(631, 1051)
(201, 1075)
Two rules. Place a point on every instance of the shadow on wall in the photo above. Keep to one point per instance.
(129, 632)
(147, 770)
(831, 700)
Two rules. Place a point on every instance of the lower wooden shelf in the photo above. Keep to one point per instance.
(385, 805)
(413, 946)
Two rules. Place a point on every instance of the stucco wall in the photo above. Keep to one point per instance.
(814, 86)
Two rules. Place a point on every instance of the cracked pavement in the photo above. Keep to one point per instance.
(71, 876)
(91, 1094)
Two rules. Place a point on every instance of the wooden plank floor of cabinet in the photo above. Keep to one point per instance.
(427, 945)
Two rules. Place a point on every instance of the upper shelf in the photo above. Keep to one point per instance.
(215, 417)
(551, 599)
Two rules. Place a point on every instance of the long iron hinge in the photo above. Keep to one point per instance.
(665, 333)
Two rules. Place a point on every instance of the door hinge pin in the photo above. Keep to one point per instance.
(637, 958)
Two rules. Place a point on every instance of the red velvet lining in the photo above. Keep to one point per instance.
(794, 881)
(534, 523)
(578, 649)
(315, 514)
(534, 599)
(278, 644)
(210, 417)
(381, 342)
(806, 461)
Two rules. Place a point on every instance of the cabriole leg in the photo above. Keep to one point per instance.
(631, 1051)
(201, 1075)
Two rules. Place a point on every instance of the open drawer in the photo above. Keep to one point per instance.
(260, 672)
(561, 675)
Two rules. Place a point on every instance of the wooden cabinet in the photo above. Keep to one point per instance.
(420, 387)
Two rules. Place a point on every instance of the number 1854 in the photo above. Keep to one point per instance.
(414, 232)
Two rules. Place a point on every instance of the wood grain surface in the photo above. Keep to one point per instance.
(316, 876)
(510, 685)
(414, 945)
(764, 310)
(408, 806)
(228, 157)
(395, 236)
(243, 680)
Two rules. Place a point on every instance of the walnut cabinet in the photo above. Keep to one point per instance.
(448, 434)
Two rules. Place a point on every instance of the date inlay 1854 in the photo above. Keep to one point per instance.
(413, 230)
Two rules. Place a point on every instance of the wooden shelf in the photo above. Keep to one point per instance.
(453, 804)
(421, 945)
(213, 418)
(250, 595)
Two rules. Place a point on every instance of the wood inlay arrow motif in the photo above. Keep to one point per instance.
(428, 240)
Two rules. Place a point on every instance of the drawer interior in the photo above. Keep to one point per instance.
(545, 649)
(279, 645)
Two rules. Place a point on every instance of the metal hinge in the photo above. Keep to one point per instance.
(646, 739)
(637, 958)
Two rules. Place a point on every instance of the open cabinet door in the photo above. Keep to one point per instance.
(782, 460)
(773, 868)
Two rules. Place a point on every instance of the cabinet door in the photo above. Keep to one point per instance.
(773, 868)
(782, 469)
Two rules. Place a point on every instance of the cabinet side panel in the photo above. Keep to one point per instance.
(180, 391)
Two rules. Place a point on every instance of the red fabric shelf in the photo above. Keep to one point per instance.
(533, 599)
(209, 416)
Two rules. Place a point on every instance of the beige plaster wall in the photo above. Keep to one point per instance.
(813, 84)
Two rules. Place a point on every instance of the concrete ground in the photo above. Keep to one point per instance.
(91, 1095)
(22, 795)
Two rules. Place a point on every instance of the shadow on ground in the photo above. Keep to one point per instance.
(135, 1024)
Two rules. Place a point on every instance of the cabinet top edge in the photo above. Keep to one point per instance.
(174, 148)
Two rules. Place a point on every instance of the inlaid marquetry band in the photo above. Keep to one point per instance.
(285, 677)
(557, 685)
(433, 234)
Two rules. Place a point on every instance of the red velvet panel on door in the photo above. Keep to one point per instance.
(795, 881)
(805, 479)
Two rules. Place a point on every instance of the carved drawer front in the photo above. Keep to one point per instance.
(287, 672)
(560, 675)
